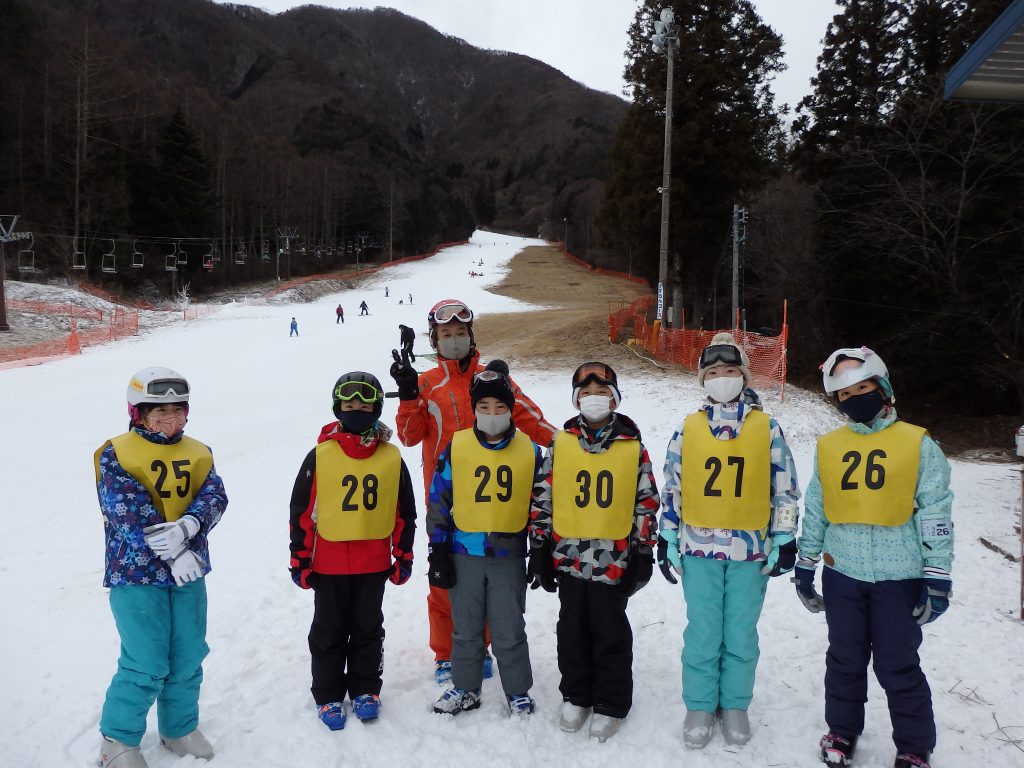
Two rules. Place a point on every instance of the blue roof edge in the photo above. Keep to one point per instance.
(1008, 21)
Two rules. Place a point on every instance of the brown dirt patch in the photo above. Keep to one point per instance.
(574, 330)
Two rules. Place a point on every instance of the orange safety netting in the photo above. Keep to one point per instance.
(52, 308)
(599, 270)
(628, 323)
(364, 271)
(123, 322)
(195, 311)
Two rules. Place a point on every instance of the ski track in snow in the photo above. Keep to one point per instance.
(259, 401)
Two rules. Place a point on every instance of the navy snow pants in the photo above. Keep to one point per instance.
(874, 621)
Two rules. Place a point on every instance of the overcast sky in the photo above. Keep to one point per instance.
(586, 39)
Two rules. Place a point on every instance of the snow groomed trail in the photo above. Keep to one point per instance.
(259, 401)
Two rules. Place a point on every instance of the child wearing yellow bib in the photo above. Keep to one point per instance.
(160, 497)
(878, 511)
(353, 517)
(729, 522)
(477, 516)
(592, 530)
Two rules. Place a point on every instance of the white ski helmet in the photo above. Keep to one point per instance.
(871, 367)
(152, 386)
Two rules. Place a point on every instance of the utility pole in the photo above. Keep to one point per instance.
(391, 220)
(7, 235)
(739, 235)
(665, 41)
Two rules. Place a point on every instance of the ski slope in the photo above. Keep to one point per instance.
(260, 399)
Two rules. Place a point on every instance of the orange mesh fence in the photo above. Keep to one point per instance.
(195, 311)
(123, 322)
(366, 271)
(51, 308)
(628, 322)
(600, 270)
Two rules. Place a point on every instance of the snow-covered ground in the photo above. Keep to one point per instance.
(259, 401)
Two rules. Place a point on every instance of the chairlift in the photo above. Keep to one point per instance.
(330, 247)
(266, 250)
(137, 258)
(208, 259)
(171, 260)
(27, 258)
(77, 256)
(317, 252)
(109, 262)
(182, 255)
(240, 254)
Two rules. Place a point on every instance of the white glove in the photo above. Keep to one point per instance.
(168, 539)
(186, 567)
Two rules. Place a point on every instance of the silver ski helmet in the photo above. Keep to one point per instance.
(871, 367)
(156, 386)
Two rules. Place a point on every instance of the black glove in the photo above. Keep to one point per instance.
(441, 573)
(407, 379)
(637, 574)
(541, 569)
(664, 563)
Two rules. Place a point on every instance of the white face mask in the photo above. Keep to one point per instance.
(494, 423)
(453, 347)
(724, 389)
(595, 407)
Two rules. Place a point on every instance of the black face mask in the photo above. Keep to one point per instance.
(357, 422)
(863, 408)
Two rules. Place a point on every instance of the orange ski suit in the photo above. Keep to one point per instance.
(442, 409)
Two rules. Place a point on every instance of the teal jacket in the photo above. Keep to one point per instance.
(878, 552)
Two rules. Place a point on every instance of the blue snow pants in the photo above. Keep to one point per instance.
(720, 649)
(163, 644)
(868, 620)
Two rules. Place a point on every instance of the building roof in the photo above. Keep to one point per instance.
(993, 68)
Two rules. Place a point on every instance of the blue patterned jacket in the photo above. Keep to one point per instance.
(128, 508)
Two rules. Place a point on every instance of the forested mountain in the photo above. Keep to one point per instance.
(133, 121)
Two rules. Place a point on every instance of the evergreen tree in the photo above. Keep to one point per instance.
(182, 196)
(726, 134)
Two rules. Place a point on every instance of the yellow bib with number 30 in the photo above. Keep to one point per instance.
(356, 499)
(491, 488)
(870, 479)
(593, 495)
(173, 474)
(727, 483)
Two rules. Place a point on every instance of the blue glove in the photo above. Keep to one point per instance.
(935, 592)
(803, 577)
(782, 558)
(669, 559)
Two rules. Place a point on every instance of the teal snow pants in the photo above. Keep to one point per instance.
(163, 644)
(720, 651)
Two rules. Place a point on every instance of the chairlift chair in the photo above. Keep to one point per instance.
(208, 259)
(77, 256)
(240, 254)
(171, 260)
(109, 262)
(27, 258)
(266, 251)
(182, 255)
(137, 258)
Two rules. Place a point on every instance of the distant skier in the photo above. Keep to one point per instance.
(160, 497)
(340, 312)
(363, 309)
(410, 298)
(293, 328)
(385, 291)
(408, 338)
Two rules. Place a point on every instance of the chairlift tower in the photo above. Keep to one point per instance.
(8, 223)
(286, 234)
(665, 40)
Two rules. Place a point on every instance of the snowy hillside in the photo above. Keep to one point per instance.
(259, 401)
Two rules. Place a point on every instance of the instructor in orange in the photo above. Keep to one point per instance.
(434, 406)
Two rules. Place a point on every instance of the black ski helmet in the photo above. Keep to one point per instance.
(363, 385)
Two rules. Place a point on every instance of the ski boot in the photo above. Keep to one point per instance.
(456, 700)
(571, 717)
(114, 754)
(910, 760)
(735, 726)
(836, 749)
(332, 714)
(194, 744)
(603, 727)
(523, 704)
(697, 728)
(366, 707)
(442, 672)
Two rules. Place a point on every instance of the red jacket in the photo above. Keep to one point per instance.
(444, 407)
(311, 553)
